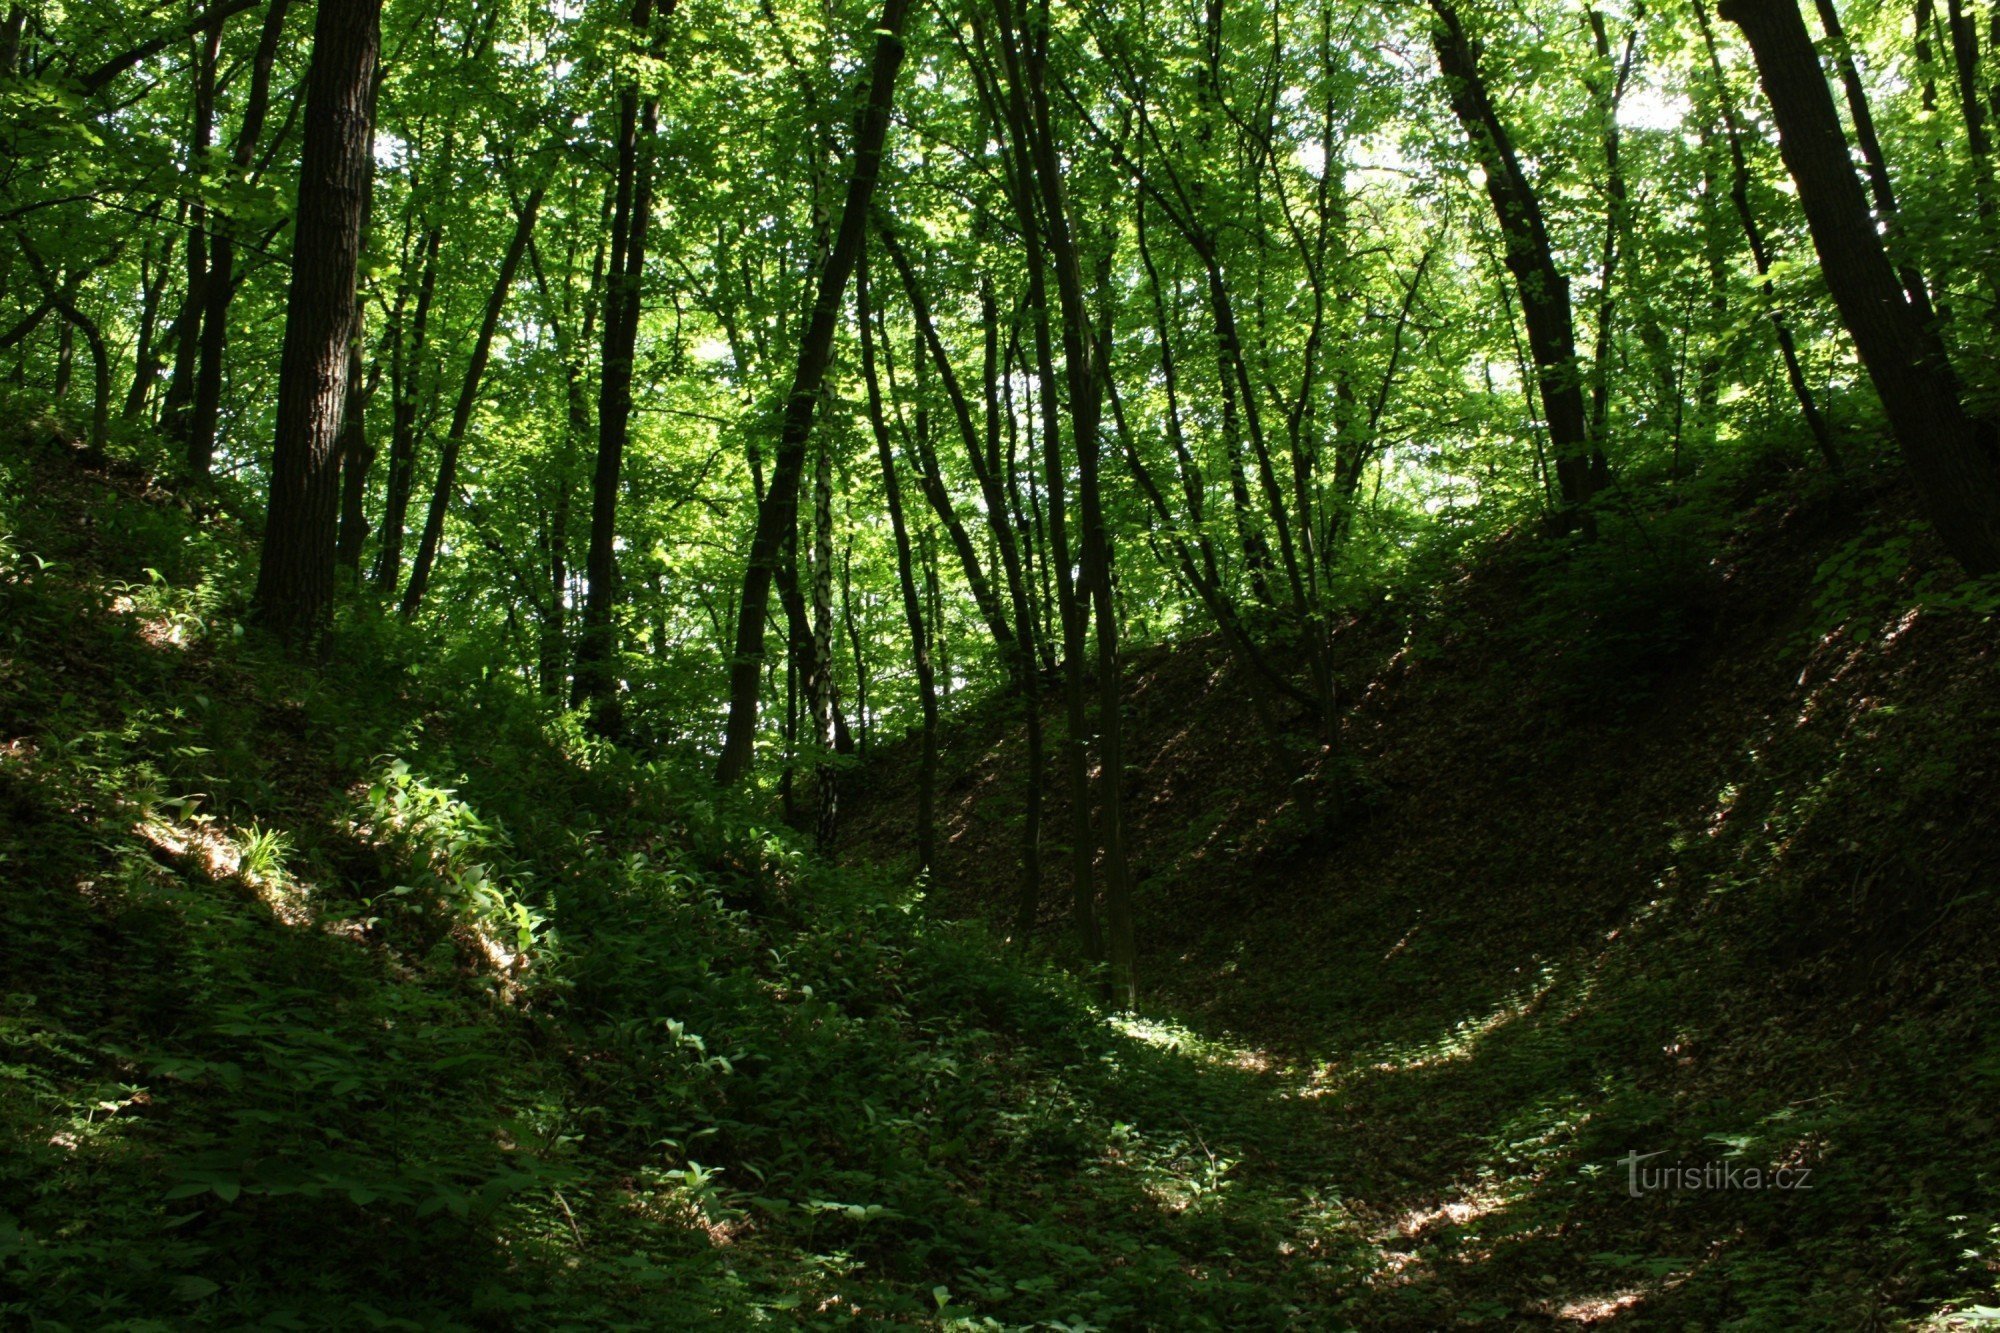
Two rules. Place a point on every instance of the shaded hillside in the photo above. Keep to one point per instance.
(351, 996)
(1682, 844)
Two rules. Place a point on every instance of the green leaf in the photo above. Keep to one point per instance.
(192, 1288)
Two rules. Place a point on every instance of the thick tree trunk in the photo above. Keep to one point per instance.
(295, 572)
(777, 516)
(1953, 459)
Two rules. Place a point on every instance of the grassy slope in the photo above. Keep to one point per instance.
(364, 996)
(1667, 847)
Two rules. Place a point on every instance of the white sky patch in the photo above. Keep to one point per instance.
(1649, 108)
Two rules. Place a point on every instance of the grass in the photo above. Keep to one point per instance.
(1684, 846)
(371, 995)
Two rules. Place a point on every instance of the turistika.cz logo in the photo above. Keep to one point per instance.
(1641, 1179)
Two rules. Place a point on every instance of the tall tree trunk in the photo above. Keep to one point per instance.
(1039, 166)
(1954, 460)
(1543, 290)
(820, 675)
(1071, 612)
(295, 571)
(1760, 254)
(219, 286)
(1017, 648)
(468, 397)
(595, 682)
(146, 351)
(851, 621)
(176, 411)
(1870, 143)
(553, 650)
(777, 515)
(406, 381)
(1615, 201)
(357, 456)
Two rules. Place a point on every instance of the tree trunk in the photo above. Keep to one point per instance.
(176, 413)
(1876, 163)
(145, 351)
(1581, 470)
(595, 681)
(913, 611)
(1954, 460)
(777, 516)
(357, 456)
(406, 378)
(219, 286)
(468, 397)
(1739, 195)
(295, 571)
(820, 643)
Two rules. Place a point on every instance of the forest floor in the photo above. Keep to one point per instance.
(1684, 847)
(366, 994)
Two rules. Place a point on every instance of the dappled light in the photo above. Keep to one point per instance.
(997, 667)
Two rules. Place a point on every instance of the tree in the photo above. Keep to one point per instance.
(1953, 458)
(295, 567)
(632, 212)
(1543, 290)
(777, 514)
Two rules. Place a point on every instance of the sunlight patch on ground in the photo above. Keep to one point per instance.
(221, 854)
(1460, 1044)
(204, 844)
(159, 631)
(1167, 1035)
(1474, 1205)
(1600, 1308)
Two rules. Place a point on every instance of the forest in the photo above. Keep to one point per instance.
(1118, 665)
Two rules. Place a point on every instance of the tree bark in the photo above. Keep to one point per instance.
(777, 515)
(145, 351)
(219, 285)
(1760, 254)
(1581, 470)
(406, 378)
(595, 681)
(295, 571)
(906, 579)
(1953, 459)
(176, 412)
(357, 456)
(1875, 161)
(468, 398)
